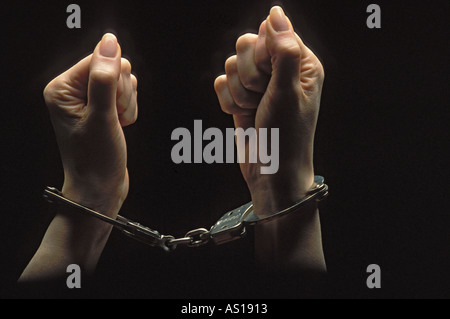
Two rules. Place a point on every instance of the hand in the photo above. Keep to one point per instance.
(88, 105)
(275, 81)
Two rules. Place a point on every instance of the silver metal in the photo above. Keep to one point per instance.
(164, 241)
(229, 227)
(194, 238)
(317, 192)
(174, 243)
(127, 227)
(232, 225)
(199, 236)
(143, 234)
(53, 195)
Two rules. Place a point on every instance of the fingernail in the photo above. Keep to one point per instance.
(278, 19)
(108, 46)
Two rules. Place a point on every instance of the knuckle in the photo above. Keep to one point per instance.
(128, 118)
(252, 79)
(243, 101)
(251, 82)
(226, 111)
(263, 64)
(231, 65)
(260, 62)
(134, 82)
(289, 50)
(223, 104)
(219, 82)
(240, 101)
(225, 108)
(126, 66)
(131, 120)
(245, 42)
(103, 77)
(229, 107)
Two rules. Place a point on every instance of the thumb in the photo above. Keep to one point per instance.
(104, 73)
(284, 49)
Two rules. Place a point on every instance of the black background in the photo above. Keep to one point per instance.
(380, 142)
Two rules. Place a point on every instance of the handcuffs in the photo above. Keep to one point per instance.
(231, 226)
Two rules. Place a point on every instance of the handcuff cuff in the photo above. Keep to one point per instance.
(231, 226)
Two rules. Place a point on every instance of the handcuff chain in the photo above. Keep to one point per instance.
(194, 238)
(229, 227)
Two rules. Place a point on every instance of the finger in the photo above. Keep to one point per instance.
(134, 82)
(262, 56)
(127, 106)
(131, 113)
(225, 98)
(285, 51)
(251, 77)
(124, 87)
(104, 74)
(244, 98)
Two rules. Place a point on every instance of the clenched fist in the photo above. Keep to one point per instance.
(89, 104)
(275, 81)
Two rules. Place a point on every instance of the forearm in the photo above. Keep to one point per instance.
(71, 238)
(89, 104)
(66, 242)
(293, 242)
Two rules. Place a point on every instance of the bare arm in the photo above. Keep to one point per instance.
(275, 81)
(89, 104)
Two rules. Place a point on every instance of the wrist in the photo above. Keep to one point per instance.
(274, 193)
(74, 237)
(82, 235)
(106, 198)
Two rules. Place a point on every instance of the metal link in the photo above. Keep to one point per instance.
(194, 238)
(174, 243)
(199, 237)
(163, 243)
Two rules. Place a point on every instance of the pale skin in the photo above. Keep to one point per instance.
(274, 80)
